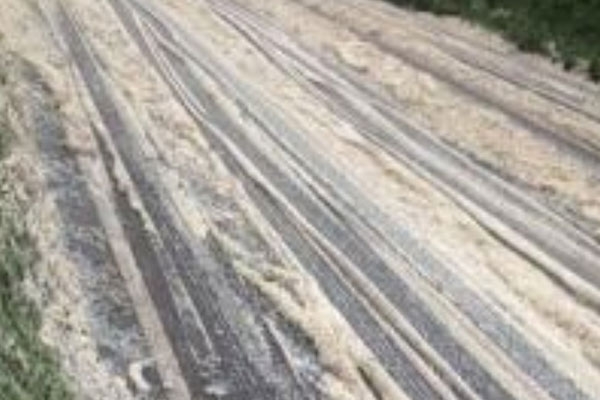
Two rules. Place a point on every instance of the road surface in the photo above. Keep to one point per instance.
(320, 199)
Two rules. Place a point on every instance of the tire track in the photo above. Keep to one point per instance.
(214, 365)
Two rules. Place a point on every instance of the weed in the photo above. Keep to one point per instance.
(28, 369)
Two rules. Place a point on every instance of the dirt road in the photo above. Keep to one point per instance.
(301, 199)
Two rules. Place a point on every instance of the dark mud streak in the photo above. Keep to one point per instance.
(150, 259)
(370, 384)
(115, 326)
(229, 365)
(297, 385)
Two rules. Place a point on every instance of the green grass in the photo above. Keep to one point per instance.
(566, 30)
(28, 369)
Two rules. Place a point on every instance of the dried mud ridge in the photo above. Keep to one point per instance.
(301, 282)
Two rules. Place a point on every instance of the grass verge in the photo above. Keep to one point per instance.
(566, 30)
(28, 368)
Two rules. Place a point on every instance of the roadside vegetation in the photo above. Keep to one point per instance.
(28, 369)
(566, 30)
